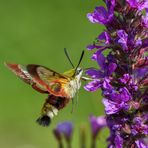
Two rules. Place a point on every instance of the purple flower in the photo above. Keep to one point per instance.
(141, 144)
(96, 83)
(125, 79)
(117, 101)
(145, 19)
(105, 36)
(138, 42)
(118, 141)
(97, 123)
(139, 126)
(93, 86)
(140, 72)
(106, 69)
(138, 4)
(64, 129)
(123, 36)
(110, 5)
(107, 86)
(101, 15)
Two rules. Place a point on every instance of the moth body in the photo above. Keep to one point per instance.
(61, 88)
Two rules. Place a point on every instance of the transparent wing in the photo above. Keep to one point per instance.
(54, 82)
(23, 74)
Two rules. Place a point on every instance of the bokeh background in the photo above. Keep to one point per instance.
(35, 31)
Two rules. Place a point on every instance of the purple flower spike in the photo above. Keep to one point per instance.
(65, 129)
(122, 72)
(97, 123)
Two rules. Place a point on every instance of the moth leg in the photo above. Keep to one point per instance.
(77, 97)
(72, 105)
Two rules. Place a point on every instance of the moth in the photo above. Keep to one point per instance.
(60, 88)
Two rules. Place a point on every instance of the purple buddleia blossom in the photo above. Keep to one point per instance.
(122, 74)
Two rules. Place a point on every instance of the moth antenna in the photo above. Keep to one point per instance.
(82, 54)
(66, 53)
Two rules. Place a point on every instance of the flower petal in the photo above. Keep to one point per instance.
(93, 86)
(105, 36)
(122, 39)
(94, 73)
(118, 141)
(110, 107)
(97, 123)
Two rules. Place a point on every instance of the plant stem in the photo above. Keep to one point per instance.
(69, 144)
(61, 144)
(93, 142)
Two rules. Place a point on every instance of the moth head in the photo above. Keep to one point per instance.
(78, 72)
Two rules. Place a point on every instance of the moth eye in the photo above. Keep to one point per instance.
(78, 71)
(56, 87)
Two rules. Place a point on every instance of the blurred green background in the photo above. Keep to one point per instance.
(35, 31)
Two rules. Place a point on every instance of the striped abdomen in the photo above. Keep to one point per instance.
(50, 108)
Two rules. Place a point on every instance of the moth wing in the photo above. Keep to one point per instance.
(23, 74)
(54, 82)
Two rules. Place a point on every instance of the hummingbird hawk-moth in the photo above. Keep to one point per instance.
(60, 88)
